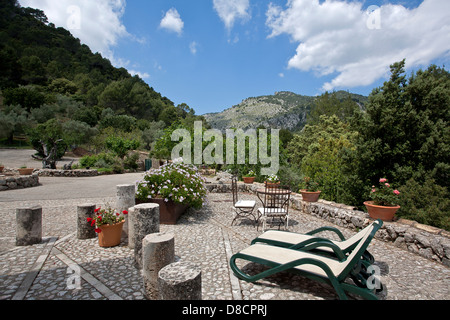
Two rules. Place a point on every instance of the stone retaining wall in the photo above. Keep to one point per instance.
(67, 173)
(18, 182)
(429, 242)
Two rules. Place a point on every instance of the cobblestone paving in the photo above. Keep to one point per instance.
(205, 237)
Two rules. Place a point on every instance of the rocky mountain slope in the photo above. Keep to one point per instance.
(283, 110)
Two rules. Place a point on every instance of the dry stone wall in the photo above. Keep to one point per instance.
(12, 182)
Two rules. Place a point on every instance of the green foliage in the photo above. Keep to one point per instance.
(405, 132)
(385, 194)
(426, 203)
(331, 104)
(48, 132)
(318, 151)
(27, 97)
(121, 146)
(309, 185)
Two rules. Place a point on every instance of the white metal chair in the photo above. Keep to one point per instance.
(242, 208)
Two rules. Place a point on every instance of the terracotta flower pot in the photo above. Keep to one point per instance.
(272, 184)
(381, 212)
(110, 235)
(248, 180)
(310, 196)
(25, 171)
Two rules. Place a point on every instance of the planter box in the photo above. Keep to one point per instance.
(26, 171)
(169, 212)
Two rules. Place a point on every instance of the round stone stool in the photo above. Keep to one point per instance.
(28, 226)
(145, 221)
(84, 228)
(180, 281)
(158, 250)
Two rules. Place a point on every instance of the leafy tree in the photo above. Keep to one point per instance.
(318, 151)
(405, 132)
(28, 97)
(331, 104)
(13, 121)
(120, 146)
(48, 133)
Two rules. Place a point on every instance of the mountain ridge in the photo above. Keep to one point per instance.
(282, 110)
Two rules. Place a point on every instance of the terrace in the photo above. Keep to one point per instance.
(204, 237)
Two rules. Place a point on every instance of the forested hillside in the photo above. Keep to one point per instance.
(47, 74)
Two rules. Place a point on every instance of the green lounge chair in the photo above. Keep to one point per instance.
(316, 267)
(308, 241)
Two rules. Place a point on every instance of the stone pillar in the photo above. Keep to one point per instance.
(125, 199)
(28, 226)
(158, 250)
(180, 281)
(145, 221)
(84, 228)
(131, 228)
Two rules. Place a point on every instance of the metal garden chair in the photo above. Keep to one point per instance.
(242, 208)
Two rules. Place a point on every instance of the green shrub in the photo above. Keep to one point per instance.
(88, 161)
(426, 203)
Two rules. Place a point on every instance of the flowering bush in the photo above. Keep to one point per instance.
(384, 195)
(309, 185)
(272, 178)
(178, 182)
(250, 174)
(106, 216)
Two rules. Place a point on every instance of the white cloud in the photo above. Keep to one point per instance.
(355, 46)
(142, 75)
(172, 21)
(96, 23)
(231, 10)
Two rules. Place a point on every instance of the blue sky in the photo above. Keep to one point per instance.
(212, 54)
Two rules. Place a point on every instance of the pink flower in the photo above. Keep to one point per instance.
(383, 180)
(374, 190)
(396, 192)
(387, 184)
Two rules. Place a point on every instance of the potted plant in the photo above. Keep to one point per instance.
(175, 187)
(249, 177)
(272, 181)
(23, 170)
(109, 225)
(309, 190)
(384, 202)
(1, 167)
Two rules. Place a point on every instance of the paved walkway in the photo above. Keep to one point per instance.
(47, 271)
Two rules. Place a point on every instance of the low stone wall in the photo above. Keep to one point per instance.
(67, 173)
(429, 242)
(12, 182)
